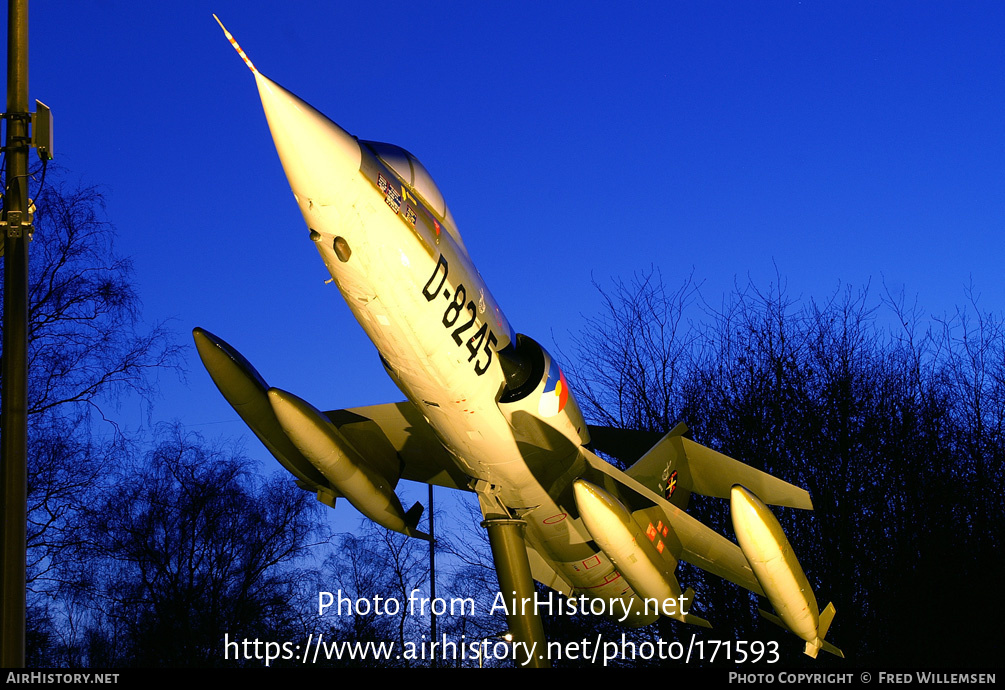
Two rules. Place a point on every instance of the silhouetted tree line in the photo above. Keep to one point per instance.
(151, 552)
(894, 424)
(138, 553)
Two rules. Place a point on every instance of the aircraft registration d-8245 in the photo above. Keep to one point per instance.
(489, 411)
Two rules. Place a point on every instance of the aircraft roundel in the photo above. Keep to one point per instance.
(555, 395)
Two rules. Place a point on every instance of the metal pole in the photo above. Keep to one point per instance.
(13, 418)
(509, 552)
(432, 575)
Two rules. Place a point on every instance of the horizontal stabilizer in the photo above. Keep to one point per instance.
(814, 646)
(627, 445)
(690, 618)
(676, 466)
(830, 649)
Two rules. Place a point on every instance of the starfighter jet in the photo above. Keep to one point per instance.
(488, 410)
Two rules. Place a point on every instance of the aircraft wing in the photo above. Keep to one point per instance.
(393, 439)
(627, 445)
(694, 468)
(399, 427)
(700, 545)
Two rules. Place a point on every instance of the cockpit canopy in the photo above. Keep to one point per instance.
(413, 173)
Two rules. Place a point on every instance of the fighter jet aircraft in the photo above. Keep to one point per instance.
(488, 410)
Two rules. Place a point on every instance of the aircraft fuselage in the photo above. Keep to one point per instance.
(499, 418)
(414, 290)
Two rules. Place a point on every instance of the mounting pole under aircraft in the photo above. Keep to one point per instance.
(509, 553)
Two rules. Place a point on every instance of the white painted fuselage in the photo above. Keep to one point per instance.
(391, 246)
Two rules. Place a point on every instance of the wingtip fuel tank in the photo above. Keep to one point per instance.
(777, 569)
(369, 489)
(622, 539)
(246, 391)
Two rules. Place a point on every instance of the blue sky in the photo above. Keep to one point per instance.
(841, 142)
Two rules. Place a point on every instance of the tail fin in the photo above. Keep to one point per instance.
(826, 618)
(412, 516)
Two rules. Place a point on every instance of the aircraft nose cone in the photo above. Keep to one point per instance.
(318, 156)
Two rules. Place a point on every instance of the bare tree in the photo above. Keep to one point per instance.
(87, 342)
(633, 363)
(192, 546)
(87, 345)
(377, 571)
(897, 433)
